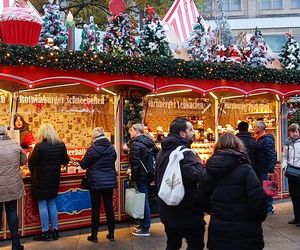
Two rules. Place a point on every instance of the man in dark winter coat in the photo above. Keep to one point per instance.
(247, 139)
(265, 156)
(138, 156)
(184, 220)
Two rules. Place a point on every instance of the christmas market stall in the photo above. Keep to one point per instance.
(115, 83)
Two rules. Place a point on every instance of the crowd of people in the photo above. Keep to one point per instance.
(229, 187)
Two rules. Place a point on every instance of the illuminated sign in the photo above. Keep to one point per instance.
(178, 103)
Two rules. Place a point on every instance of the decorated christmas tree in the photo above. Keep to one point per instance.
(153, 40)
(118, 40)
(90, 37)
(133, 110)
(290, 53)
(259, 50)
(199, 43)
(223, 32)
(52, 26)
(293, 106)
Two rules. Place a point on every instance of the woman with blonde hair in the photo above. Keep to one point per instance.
(45, 162)
(237, 202)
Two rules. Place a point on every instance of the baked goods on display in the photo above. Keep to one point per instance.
(203, 149)
(20, 24)
(25, 171)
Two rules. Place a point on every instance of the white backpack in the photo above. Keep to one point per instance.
(171, 190)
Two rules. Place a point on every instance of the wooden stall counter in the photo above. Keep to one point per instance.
(278, 176)
(73, 205)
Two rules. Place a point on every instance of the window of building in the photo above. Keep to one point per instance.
(232, 5)
(295, 4)
(275, 42)
(207, 9)
(271, 4)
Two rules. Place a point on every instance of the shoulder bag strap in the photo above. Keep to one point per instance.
(144, 166)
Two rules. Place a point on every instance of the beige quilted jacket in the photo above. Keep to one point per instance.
(11, 157)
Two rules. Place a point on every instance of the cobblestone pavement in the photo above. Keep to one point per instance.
(278, 236)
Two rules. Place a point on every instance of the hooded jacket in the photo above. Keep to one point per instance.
(45, 163)
(238, 203)
(291, 153)
(187, 213)
(265, 155)
(249, 143)
(11, 157)
(139, 151)
(99, 160)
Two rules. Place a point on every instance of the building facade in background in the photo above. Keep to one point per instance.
(273, 17)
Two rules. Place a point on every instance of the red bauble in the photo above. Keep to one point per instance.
(117, 7)
(150, 11)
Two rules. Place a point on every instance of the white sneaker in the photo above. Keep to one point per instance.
(137, 228)
(141, 233)
(272, 212)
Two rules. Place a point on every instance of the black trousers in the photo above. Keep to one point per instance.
(107, 196)
(12, 218)
(294, 189)
(194, 237)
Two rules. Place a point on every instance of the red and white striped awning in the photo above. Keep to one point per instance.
(181, 16)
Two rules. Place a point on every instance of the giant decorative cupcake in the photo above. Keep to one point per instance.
(20, 24)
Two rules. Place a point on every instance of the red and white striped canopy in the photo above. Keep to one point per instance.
(181, 16)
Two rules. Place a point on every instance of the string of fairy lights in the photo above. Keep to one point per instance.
(17, 55)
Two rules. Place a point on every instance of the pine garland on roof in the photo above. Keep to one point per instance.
(17, 55)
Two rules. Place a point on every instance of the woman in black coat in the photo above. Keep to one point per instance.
(99, 161)
(45, 162)
(238, 203)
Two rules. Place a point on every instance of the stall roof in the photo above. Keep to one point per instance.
(14, 78)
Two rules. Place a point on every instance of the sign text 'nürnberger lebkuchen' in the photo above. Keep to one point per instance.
(265, 107)
(177, 104)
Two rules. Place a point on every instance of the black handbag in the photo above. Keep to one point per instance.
(292, 172)
(85, 182)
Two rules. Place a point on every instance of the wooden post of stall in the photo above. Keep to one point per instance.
(278, 129)
(284, 128)
(216, 106)
(279, 139)
(14, 99)
(117, 110)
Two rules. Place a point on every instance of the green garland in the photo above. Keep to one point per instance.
(14, 55)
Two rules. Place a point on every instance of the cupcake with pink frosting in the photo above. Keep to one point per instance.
(20, 24)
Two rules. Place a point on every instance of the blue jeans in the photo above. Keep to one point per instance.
(144, 188)
(46, 208)
(12, 219)
(270, 200)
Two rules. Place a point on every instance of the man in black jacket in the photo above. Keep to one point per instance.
(138, 156)
(184, 220)
(248, 141)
